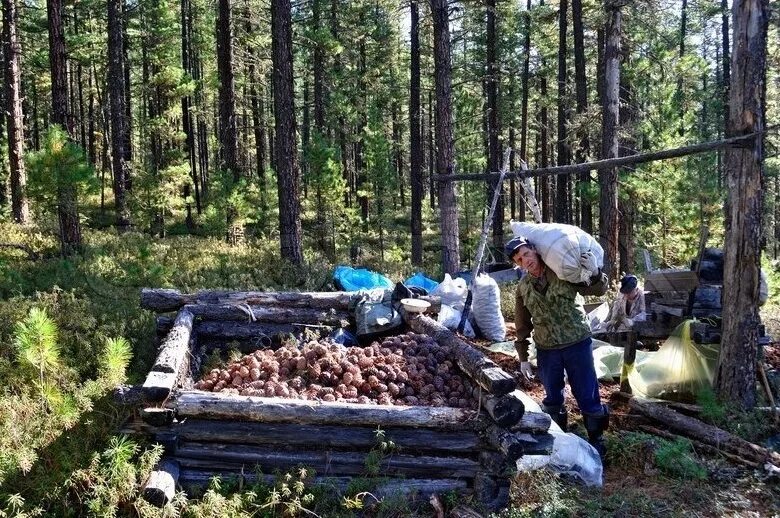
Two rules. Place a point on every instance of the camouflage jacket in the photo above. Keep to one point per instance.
(548, 306)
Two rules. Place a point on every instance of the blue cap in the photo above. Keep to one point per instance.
(511, 246)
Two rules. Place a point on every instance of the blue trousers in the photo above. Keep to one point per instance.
(577, 360)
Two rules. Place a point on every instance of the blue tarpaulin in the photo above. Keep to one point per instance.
(354, 279)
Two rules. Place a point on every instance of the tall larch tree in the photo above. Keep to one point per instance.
(67, 203)
(415, 138)
(120, 162)
(228, 132)
(581, 86)
(492, 81)
(20, 210)
(448, 204)
(608, 203)
(288, 175)
(562, 195)
(735, 378)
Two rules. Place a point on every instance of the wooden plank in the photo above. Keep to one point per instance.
(200, 455)
(382, 488)
(671, 280)
(269, 315)
(472, 361)
(210, 405)
(160, 487)
(330, 437)
(173, 351)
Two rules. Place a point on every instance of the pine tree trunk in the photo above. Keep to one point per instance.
(91, 143)
(431, 151)
(679, 94)
(448, 205)
(399, 155)
(524, 101)
(67, 205)
(561, 201)
(319, 66)
(492, 81)
(586, 211)
(228, 133)
(543, 152)
(415, 138)
(258, 123)
(626, 210)
(186, 101)
(116, 93)
(128, 146)
(360, 168)
(608, 204)
(20, 210)
(286, 147)
(735, 379)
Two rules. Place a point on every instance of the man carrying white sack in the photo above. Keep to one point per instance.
(547, 306)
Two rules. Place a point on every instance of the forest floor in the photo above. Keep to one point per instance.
(639, 482)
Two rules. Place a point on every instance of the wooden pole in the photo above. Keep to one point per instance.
(740, 141)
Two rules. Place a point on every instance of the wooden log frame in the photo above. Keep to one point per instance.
(160, 487)
(711, 435)
(208, 405)
(268, 315)
(268, 459)
(506, 410)
(332, 437)
(473, 362)
(172, 359)
(383, 487)
(167, 300)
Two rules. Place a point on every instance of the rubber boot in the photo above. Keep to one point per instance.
(595, 425)
(559, 414)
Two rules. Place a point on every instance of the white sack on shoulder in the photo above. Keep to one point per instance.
(560, 247)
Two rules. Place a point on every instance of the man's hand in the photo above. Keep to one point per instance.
(588, 262)
(525, 370)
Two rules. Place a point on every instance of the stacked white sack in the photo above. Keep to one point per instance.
(486, 307)
(560, 247)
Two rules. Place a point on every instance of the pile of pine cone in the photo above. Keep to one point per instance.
(409, 369)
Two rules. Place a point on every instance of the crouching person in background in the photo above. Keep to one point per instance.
(547, 306)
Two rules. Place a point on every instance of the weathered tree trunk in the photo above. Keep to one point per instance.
(562, 196)
(735, 379)
(186, 101)
(119, 128)
(398, 154)
(228, 133)
(163, 300)
(128, 147)
(492, 81)
(524, 100)
(67, 203)
(415, 138)
(680, 94)
(581, 85)
(433, 191)
(91, 141)
(288, 177)
(608, 205)
(12, 51)
(448, 204)
(258, 124)
(626, 209)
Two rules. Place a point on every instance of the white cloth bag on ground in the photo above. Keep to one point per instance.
(453, 292)
(560, 247)
(486, 308)
(450, 317)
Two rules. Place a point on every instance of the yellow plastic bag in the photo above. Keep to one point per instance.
(679, 370)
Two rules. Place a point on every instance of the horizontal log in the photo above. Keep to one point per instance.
(608, 163)
(268, 459)
(160, 487)
(232, 330)
(173, 351)
(473, 362)
(272, 315)
(158, 386)
(154, 416)
(331, 437)
(712, 435)
(535, 410)
(165, 300)
(516, 444)
(383, 488)
(532, 422)
(506, 410)
(210, 405)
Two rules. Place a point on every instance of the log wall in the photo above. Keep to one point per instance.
(421, 449)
